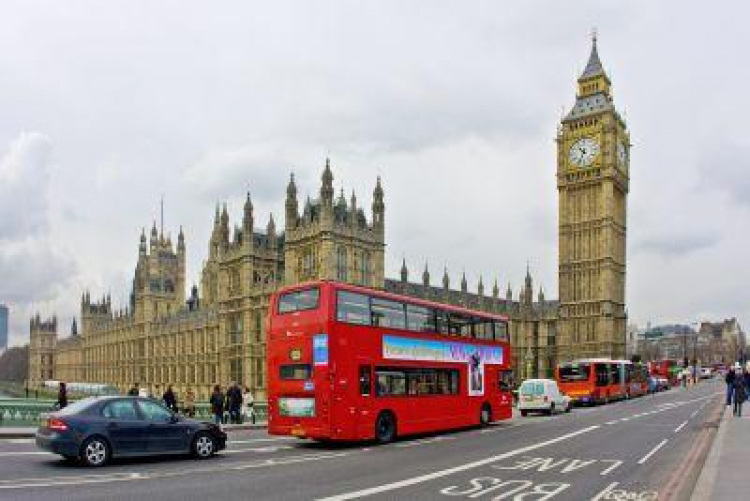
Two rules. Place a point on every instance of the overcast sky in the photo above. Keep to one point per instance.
(104, 106)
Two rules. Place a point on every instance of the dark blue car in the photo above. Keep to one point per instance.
(94, 430)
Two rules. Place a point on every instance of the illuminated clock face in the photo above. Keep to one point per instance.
(622, 154)
(584, 151)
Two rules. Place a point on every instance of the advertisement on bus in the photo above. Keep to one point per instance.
(475, 356)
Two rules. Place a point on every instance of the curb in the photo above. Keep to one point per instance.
(17, 434)
(243, 427)
(705, 484)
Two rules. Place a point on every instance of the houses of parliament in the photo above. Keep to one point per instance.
(215, 334)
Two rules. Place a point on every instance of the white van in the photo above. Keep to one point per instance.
(542, 395)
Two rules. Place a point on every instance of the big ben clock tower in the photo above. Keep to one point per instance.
(593, 145)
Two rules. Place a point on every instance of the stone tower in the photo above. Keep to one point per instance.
(593, 147)
(332, 238)
(42, 341)
(159, 281)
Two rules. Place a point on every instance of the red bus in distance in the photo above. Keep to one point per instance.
(352, 363)
(594, 381)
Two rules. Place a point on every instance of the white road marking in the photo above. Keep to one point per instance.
(615, 464)
(677, 430)
(422, 441)
(653, 451)
(24, 453)
(456, 469)
(254, 440)
(257, 449)
(120, 477)
(611, 422)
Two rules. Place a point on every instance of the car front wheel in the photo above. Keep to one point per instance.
(204, 446)
(95, 452)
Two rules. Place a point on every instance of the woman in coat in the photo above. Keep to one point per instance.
(189, 403)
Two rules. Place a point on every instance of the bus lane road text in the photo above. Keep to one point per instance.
(508, 485)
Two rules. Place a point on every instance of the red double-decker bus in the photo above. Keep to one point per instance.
(352, 363)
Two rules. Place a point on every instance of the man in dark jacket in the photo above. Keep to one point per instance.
(234, 402)
(740, 394)
(169, 399)
(729, 379)
(217, 404)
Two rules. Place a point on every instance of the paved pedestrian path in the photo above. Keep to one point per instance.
(724, 474)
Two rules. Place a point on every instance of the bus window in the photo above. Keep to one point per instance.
(614, 370)
(299, 300)
(459, 325)
(501, 331)
(365, 380)
(387, 313)
(390, 383)
(506, 380)
(602, 374)
(483, 328)
(574, 372)
(441, 321)
(420, 319)
(295, 371)
(353, 308)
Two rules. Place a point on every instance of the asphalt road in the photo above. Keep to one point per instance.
(646, 448)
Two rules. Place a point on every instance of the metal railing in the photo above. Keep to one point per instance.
(22, 412)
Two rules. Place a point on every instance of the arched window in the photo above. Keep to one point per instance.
(341, 264)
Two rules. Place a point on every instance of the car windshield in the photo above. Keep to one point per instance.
(76, 407)
(532, 388)
(575, 372)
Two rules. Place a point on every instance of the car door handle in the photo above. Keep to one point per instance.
(112, 425)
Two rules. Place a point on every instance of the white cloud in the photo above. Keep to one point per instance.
(24, 181)
(34, 268)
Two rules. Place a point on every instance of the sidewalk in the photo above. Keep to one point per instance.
(30, 431)
(724, 474)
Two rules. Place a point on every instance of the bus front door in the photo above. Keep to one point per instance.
(364, 418)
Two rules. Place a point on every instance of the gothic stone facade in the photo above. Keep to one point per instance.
(218, 336)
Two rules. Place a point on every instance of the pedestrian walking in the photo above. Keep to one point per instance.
(133, 392)
(248, 405)
(62, 396)
(189, 406)
(217, 404)
(169, 398)
(740, 394)
(234, 402)
(729, 380)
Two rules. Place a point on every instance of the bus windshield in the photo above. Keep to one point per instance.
(575, 372)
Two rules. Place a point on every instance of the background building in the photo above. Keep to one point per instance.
(4, 314)
(218, 335)
(707, 343)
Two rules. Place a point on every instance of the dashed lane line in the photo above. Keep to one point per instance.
(653, 451)
(679, 428)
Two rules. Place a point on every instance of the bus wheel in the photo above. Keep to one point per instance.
(385, 427)
(485, 415)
